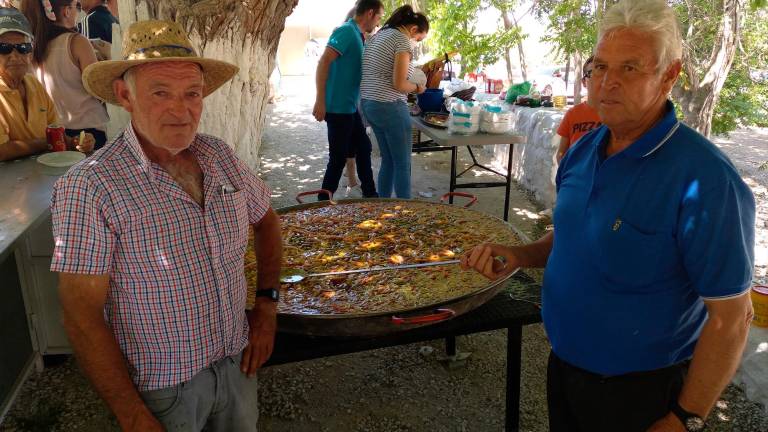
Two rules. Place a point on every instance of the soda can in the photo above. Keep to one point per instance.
(55, 136)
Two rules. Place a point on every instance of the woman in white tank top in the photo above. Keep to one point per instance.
(60, 56)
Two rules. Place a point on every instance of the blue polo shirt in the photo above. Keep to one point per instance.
(641, 239)
(342, 89)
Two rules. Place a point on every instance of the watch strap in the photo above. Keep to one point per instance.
(685, 418)
(271, 293)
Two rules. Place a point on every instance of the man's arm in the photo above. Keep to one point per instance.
(262, 319)
(483, 257)
(82, 301)
(16, 148)
(321, 78)
(715, 359)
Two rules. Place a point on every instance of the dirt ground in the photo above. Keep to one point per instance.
(405, 388)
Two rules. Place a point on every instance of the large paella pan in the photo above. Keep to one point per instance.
(355, 234)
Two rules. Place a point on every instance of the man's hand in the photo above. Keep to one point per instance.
(483, 258)
(668, 423)
(319, 110)
(262, 324)
(87, 145)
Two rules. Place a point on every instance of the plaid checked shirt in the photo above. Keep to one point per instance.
(177, 288)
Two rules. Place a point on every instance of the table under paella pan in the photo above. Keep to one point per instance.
(328, 236)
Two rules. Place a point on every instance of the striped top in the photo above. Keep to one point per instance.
(177, 289)
(379, 64)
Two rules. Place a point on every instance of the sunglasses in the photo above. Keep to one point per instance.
(22, 48)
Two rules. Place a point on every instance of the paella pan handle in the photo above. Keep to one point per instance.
(473, 199)
(438, 315)
(314, 192)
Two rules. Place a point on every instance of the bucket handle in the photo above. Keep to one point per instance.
(315, 192)
(473, 199)
(437, 315)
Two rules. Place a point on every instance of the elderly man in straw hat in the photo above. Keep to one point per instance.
(648, 327)
(150, 237)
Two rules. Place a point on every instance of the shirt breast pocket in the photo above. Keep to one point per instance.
(634, 260)
(234, 224)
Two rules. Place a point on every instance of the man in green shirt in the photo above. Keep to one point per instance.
(338, 92)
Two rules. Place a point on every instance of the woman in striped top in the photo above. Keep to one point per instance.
(384, 89)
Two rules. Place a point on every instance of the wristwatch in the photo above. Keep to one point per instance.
(691, 421)
(272, 293)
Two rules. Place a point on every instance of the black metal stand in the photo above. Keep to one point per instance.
(501, 312)
(431, 146)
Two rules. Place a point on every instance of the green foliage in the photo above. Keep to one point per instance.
(453, 27)
(571, 25)
(744, 98)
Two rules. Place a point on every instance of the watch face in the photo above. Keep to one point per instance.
(694, 424)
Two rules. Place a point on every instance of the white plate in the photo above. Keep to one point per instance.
(60, 159)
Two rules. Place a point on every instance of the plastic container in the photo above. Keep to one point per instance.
(431, 100)
(759, 295)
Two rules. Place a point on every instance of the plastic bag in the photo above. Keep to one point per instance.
(418, 77)
(516, 90)
(496, 119)
(464, 118)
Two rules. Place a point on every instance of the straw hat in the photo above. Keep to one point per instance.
(152, 42)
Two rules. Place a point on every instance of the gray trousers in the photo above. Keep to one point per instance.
(218, 398)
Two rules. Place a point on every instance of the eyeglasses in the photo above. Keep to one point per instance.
(22, 48)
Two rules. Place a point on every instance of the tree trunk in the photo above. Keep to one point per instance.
(698, 95)
(578, 62)
(245, 33)
(520, 53)
(507, 26)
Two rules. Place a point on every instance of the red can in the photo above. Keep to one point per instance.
(55, 136)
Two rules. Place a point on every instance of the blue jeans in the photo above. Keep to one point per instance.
(391, 122)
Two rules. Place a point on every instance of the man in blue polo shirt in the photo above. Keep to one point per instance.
(647, 271)
(337, 79)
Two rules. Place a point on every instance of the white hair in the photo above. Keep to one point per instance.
(130, 80)
(650, 16)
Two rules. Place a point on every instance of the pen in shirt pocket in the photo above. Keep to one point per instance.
(228, 189)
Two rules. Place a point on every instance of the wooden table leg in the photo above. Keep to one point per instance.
(514, 369)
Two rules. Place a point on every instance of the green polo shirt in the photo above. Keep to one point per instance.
(342, 90)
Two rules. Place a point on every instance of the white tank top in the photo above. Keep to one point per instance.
(63, 81)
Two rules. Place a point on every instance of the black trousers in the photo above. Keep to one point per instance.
(347, 138)
(581, 401)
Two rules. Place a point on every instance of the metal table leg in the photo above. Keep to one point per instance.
(450, 346)
(514, 366)
(454, 153)
(509, 181)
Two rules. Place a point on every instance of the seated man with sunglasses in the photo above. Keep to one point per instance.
(25, 108)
